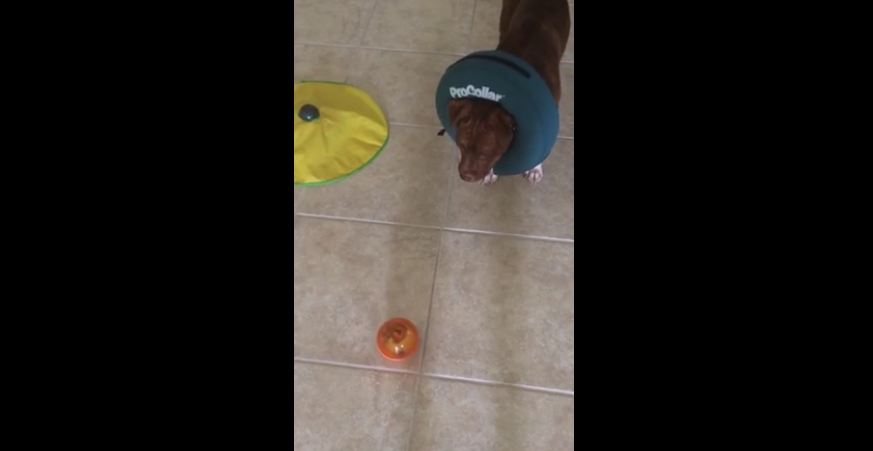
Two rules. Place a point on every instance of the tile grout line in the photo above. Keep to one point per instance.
(355, 366)
(411, 125)
(510, 235)
(472, 23)
(437, 127)
(389, 49)
(373, 47)
(477, 381)
(444, 377)
(436, 268)
(444, 229)
(369, 21)
(361, 39)
(365, 221)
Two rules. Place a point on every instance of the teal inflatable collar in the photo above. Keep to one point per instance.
(514, 84)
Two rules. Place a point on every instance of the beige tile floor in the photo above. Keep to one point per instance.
(485, 272)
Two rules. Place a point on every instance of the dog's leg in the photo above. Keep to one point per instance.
(534, 175)
(490, 178)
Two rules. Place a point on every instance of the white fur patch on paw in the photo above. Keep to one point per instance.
(489, 179)
(534, 175)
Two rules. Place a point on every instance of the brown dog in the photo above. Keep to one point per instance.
(537, 32)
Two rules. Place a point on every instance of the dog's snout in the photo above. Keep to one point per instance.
(467, 171)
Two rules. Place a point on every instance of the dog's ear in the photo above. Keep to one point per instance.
(459, 109)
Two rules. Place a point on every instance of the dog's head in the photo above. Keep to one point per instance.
(484, 134)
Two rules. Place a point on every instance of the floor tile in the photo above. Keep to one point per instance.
(351, 277)
(422, 25)
(404, 84)
(298, 197)
(569, 52)
(503, 311)
(454, 416)
(351, 410)
(331, 21)
(298, 58)
(486, 26)
(408, 182)
(567, 105)
(322, 63)
(512, 205)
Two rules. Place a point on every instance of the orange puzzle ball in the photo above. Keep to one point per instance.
(397, 339)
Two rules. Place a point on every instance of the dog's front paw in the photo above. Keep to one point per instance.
(489, 179)
(534, 175)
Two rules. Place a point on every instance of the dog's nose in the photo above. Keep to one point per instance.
(468, 177)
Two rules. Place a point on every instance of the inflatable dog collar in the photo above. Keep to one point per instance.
(508, 80)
